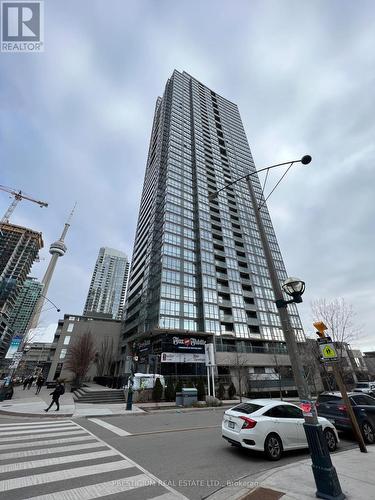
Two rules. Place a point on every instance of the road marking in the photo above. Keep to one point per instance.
(37, 436)
(61, 475)
(41, 422)
(18, 466)
(185, 429)
(48, 451)
(110, 427)
(175, 493)
(39, 429)
(46, 442)
(101, 489)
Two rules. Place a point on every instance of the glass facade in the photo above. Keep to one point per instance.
(108, 284)
(198, 262)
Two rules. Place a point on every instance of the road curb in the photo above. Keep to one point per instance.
(39, 415)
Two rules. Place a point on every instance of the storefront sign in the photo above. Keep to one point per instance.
(180, 357)
(188, 344)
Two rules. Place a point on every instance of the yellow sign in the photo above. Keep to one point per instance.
(328, 351)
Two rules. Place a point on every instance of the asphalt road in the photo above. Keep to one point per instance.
(186, 451)
(182, 450)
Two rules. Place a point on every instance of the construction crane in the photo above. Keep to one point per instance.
(18, 196)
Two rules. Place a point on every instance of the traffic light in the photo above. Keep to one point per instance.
(321, 328)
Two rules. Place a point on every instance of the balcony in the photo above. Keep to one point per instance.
(251, 349)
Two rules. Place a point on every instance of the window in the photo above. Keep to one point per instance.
(70, 327)
(363, 400)
(63, 353)
(67, 340)
(284, 411)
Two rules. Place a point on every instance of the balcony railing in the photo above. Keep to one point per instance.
(251, 349)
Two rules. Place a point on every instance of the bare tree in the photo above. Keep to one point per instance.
(281, 372)
(339, 317)
(239, 365)
(81, 355)
(105, 357)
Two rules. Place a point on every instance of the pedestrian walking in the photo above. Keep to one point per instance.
(59, 391)
(39, 383)
(30, 382)
(25, 382)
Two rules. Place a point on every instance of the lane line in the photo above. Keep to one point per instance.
(49, 451)
(62, 475)
(45, 430)
(46, 442)
(177, 495)
(67, 459)
(110, 427)
(37, 436)
(185, 429)
(101, 490)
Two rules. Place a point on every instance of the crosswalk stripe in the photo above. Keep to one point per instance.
(37, 436)
(39, 429)
(46, 442)
(61, 475)
(176, 494)
(110, 427)
(46, 462)
(49, 451)
(100, 490)
(33, 427)
(48, 422)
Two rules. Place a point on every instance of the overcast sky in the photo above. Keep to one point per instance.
(75, 124)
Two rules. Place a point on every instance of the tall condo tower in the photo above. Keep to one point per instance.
(24, 306)
(199, 271)
(19, 247)
(57, 249)
(108, 284)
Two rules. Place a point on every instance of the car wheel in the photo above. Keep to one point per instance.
(273, 447)
(331, 440)
(368, 433)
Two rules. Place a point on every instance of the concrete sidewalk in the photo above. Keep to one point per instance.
(296, 481)
(25, 403)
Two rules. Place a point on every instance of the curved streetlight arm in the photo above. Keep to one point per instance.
(302, 160)
(50, 301)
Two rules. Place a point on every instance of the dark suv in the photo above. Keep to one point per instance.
(331, 406)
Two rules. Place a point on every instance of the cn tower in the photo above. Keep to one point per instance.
(57, 249)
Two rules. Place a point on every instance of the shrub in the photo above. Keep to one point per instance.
(170, 393)
(231, 391)
(157, 391)
(201, 390)
(178, 387)
(221, 391)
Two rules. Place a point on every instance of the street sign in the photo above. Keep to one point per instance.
(328, 351)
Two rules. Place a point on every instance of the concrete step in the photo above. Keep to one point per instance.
(110, 396)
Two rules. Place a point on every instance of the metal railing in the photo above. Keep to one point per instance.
(251, 349)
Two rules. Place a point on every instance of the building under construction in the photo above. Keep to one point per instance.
(19, 247)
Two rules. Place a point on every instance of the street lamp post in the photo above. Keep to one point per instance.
(325, 475)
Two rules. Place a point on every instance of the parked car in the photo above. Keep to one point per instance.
(6, 388)
(331, 406)
(271, 426)
(366, 388)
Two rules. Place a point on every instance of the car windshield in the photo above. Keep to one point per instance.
(247, 408)
(361, 386)
(324, 398)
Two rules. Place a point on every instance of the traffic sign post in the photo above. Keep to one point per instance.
(329, 355)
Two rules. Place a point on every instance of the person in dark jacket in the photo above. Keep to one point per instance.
(39, 383)
(59, 391)
(30, 382)
(25, 382)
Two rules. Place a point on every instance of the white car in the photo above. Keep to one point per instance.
(271, 426)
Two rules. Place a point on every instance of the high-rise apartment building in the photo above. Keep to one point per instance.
(199, 270)
(108, 284)
(24, 306)
(19, 247)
